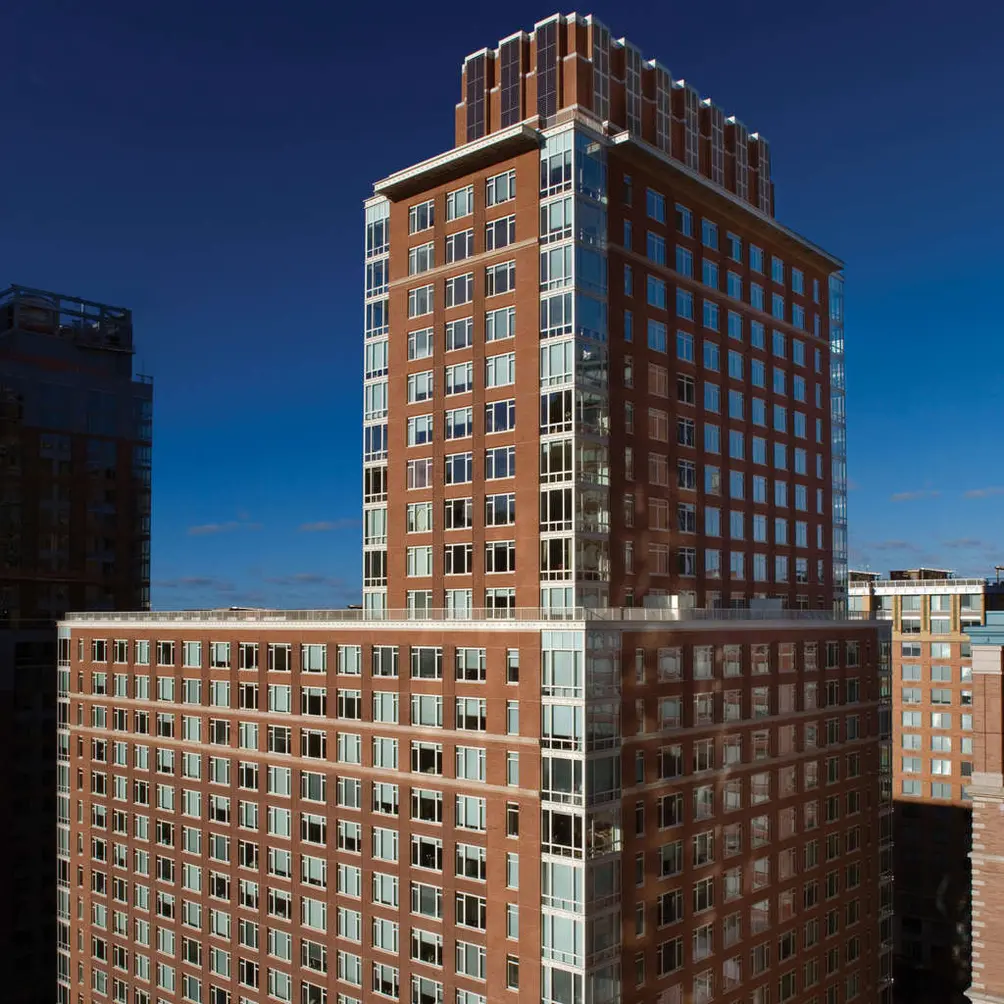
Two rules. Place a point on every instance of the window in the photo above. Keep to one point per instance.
(460, 203)
(421, 258)
(420, 301)
(471, 960)
(420, 430)
(500, 370)
(655, 205)
(500, 510)
(684, 262)
(710, 315)
(500, 188)
(458, 469)
(500, 324)
(709, 273)
(500, 556)
(459, 335)
(500, 233)
(684, 349)
(777, 269)
(419, 560)
(420, 386)
(459, 424)
(500, 462)
(500, 278)
(458, 514)
(655, 291)
(459, 246)
(421, 216)
(655, 247)
(459, 289)
(684, 220)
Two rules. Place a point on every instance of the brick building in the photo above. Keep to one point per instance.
(934, 715)
(311, 807)
(588, 310)
(986, 791)
(603, 706)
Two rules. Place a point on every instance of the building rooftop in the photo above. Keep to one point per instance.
(522, 616)
(83, 322)
(921, 574)
(856, 576)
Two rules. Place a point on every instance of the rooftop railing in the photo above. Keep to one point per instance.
(244, 615)
(907, 584)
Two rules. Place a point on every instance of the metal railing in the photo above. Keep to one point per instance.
(518, 615)
(908, 584)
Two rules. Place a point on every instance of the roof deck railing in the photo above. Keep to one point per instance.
(243, 615)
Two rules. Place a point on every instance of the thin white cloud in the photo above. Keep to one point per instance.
(208, 529)
(922, 493)
(982, 493)
(327, 525)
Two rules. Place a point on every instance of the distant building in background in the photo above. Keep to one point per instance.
(75, 446)
(986, 793)
(934, 732)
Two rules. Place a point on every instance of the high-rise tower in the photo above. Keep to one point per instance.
(598, 370)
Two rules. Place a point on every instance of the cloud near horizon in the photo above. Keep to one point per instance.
(194, 582)
(306, 579)
(921, 493)
(891, 545)
(327, 525)
(982, 493)
(297, 590)
(208, 529)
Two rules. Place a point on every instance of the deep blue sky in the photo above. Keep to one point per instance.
(205, 164)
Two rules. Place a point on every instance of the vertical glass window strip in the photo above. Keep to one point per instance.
(632, 87)
(691, 149)
(663, 109)
(741, 141)
(511, 58)
(377, 230)
(475, 69)
(763, 173)
(375, 361)
(717, 144)
(601, 72)
(547, 69)
(839, 440)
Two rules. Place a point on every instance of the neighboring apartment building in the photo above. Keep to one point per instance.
(603, 706)
(74, 534)
(986, 792)
(931, 612)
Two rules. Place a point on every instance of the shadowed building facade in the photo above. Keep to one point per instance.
(74, 534)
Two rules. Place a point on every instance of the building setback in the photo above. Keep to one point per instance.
(74, 534)
(934, 735)
(603, 707)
